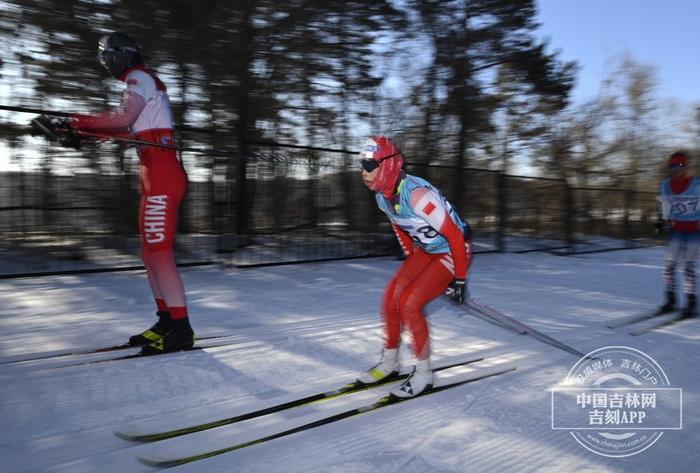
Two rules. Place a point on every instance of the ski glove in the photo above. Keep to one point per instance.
(458, 290)
(49, 126)
(56, 129)
(659, 227)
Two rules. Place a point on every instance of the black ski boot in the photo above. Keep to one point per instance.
(670, 304)
(179, 337)
(689, 310)
(153, 334)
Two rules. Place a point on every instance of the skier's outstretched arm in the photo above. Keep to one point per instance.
(119, 119)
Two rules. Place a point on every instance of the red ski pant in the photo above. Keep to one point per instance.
(422, 278)
(163, 186)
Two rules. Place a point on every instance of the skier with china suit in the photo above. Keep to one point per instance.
(435, 241)
(145, 114)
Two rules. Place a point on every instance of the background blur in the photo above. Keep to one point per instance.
(286, 93)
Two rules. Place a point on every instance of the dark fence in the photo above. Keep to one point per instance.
(270, 205)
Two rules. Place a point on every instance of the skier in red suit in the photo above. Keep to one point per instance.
(145, 114)
(436, 243)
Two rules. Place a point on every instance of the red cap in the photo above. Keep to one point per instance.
(384, 150)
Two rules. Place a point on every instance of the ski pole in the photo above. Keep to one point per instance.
(54, 113)
(180, 149)
(477, 308)
(135, 141)
(11, 108)
(210, 151)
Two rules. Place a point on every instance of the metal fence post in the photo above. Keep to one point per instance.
(626, 230)
(569, 217)
(502, 211)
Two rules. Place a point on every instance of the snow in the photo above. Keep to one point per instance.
(298, 327)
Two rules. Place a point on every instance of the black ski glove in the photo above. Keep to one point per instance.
(56, 129)
(49, 126)
(458, 290)
(70, 139)
(659, 227)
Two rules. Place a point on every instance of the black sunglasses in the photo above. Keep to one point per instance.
(370, 165)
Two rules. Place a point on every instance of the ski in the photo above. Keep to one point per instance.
(662, 324)
(80, 359)
(640, 317)
(133, 355)
(201, 445)
(155, 429)
(81, 352)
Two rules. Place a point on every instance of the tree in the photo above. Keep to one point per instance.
(476, 41)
